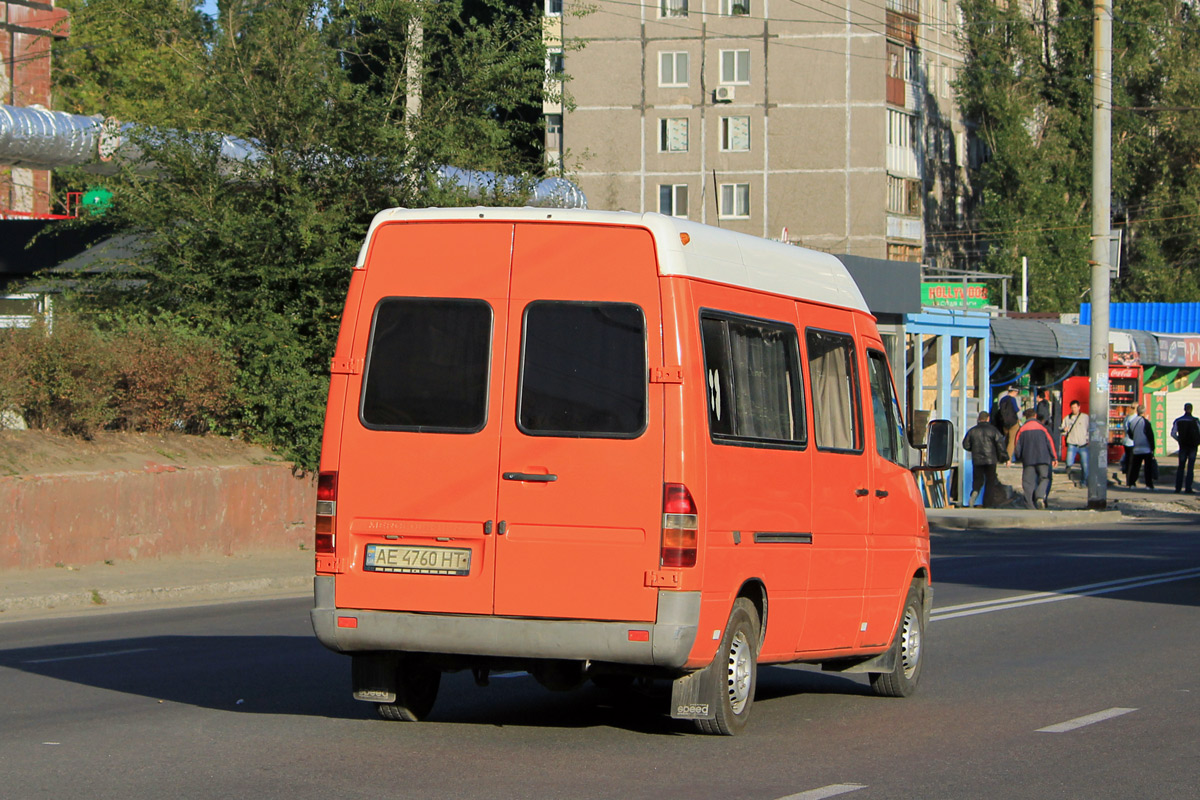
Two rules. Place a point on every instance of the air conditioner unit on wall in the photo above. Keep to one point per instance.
(723, 94)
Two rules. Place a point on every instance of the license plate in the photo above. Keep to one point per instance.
(417, 560)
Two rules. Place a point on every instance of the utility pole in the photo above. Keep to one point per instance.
(1101, 234)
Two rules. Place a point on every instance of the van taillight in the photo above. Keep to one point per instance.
(326, 511)
(679, 527)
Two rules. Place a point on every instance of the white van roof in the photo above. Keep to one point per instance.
(712, 254)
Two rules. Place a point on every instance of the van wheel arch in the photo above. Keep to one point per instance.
(755, 591)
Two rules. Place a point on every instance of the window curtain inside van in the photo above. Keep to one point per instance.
(762, 393)
(830, 368)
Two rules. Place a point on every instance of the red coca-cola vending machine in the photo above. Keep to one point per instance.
(1124, 392)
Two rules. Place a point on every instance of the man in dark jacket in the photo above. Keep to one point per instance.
(1008, 413)
(987, 448)
(1049, 413)
(1186, 431)
(1036, 452)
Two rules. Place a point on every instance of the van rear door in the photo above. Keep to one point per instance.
(418, 467)
(581, 447)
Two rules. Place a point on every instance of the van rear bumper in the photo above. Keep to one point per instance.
(670, 638)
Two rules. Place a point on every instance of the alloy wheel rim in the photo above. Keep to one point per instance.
(910, 642)
(738, 677)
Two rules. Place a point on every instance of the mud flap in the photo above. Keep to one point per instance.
(373, 677)
(689, 693)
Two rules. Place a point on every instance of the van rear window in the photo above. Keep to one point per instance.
(583, 370)
(427, 365)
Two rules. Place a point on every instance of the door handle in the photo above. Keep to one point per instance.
(881, 493)
(532, 477)
(861, 492)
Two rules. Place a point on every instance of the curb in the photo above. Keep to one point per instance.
(84, 598)
(983, 519)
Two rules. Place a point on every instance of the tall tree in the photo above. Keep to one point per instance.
(258, 250)
(1026, 88)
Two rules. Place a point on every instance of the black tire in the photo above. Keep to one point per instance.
(909, 647)
(735, 669)
(417, 685)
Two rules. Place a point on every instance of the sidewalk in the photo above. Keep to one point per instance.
(154, 583)
(1068, 503)
(74, 589)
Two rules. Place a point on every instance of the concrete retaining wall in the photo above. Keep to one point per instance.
(161, 510)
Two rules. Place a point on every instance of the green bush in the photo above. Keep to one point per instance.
(77, 378)
(63, 379)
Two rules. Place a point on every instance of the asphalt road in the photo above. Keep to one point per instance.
(1056, 669)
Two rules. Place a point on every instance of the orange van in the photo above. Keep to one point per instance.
(600, 445)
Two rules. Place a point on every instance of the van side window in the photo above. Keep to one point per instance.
(427, 365)
(889, 431)
(584, 370)
(834, 377)
(752, 374)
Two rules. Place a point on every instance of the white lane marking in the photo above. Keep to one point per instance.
(832, 790)
(89, 655)
(1080, 722)
(1070, 593)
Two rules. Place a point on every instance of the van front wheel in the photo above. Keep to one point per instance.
(909, 647)
(735, 672)
(417, 685)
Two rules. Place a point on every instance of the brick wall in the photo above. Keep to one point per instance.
(160, 510)
(28, 29)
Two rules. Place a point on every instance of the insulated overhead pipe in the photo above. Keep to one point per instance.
(37, 138)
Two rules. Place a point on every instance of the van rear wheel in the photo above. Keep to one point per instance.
(417, 685)
(735, 669)
(909, 647)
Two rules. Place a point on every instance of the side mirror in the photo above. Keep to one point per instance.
(939, 444)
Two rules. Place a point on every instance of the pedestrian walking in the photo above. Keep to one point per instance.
(1186, 431)
(1008, 412)
(1049, 413)
(1037, 455)
(1076, 424)
(1127, 442)
(1139, 431)
(987, 447)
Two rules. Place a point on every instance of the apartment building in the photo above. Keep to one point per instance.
(828, 123)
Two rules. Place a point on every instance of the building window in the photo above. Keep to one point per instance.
(553, 8)
(673, 135)
(735, 134)
(735, 66)
(904, 252)
(673, 69)
(735, 200)
(901, 128)
(673, 199)
(553, 137)
(672, 8)
(735, 8)
(904, 196)
(912, 65)
(554, 65)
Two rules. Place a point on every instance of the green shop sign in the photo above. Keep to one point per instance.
(951, 294)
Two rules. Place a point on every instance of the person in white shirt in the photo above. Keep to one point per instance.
(1076, 426)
